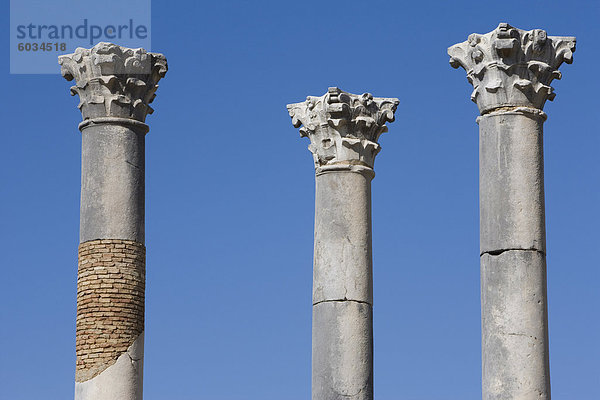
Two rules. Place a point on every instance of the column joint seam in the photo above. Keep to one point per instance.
(341, 301)
(500, 251)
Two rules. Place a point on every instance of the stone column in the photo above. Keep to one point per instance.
(115, 86)
(343, 129)
(511, 71)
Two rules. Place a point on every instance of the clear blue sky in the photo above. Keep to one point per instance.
(230, 202)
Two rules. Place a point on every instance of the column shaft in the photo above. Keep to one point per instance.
(511, 179)
(112, 263)
(515, 362)
(112, 183)
(342, 355)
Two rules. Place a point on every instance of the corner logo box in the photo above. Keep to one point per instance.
(41, 30)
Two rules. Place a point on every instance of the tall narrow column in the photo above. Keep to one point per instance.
(511, 71)
(115, 86)
(343, 129)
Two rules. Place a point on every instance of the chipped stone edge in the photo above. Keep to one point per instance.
(122, 380)
(510, 110)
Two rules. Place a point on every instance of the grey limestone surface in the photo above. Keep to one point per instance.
(342, 254)
(511, 182)
(342, 355)
(515, 363)
(342, 362)
(112, 183)
(514, 317)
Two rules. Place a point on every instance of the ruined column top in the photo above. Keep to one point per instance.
(343, 128)
(510, 67)
(115, 84)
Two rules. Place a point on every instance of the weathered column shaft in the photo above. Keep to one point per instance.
(115, 86)
(511, 180)
(343, 129)
(112, 262)
(511, 71)
(342, 286)
(112, 183)
(513, 261)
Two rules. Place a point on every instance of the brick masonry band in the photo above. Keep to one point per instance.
(110, 302)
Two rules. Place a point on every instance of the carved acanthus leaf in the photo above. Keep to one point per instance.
(114, 81)
(343, 127)
(510, 67)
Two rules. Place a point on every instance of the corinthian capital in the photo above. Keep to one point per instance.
(509, 67)
(114, 81)
(343, 128)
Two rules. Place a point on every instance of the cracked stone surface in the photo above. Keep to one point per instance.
(511, 182)
(342, 253)
(112, 183)
(515, 362)
(123, 380)
(341, 374)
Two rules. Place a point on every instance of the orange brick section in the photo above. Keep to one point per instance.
(110, 302)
